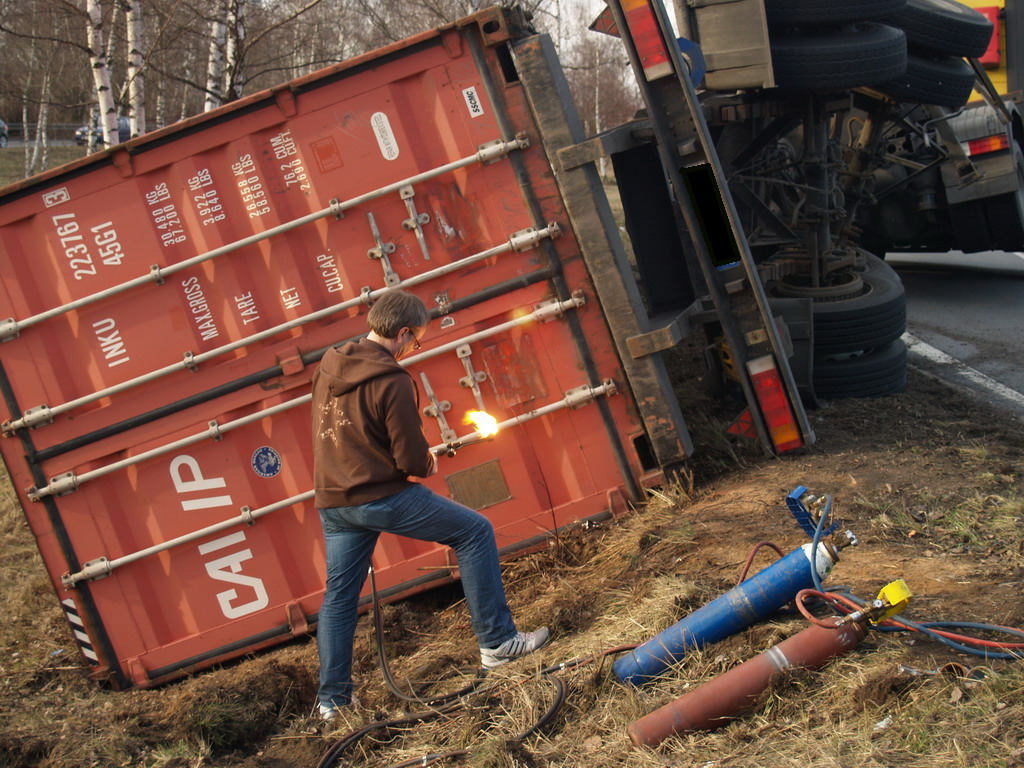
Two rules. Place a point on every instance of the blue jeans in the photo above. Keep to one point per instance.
(350, 534)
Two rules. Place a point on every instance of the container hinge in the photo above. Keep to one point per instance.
(94, 569)
(8, 329)
(156, 275)
(61, 485)
(34, 417)
(577, 398)
(246, 515)
(189, 361)
(336, 210)
(528, 238)
(498, 149)
(552, 309)
(214, 431)
(366, 295)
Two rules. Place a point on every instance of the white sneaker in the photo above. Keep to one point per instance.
(520, 645)
(328, 712)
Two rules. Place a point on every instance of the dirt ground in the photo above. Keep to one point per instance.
(929, 481)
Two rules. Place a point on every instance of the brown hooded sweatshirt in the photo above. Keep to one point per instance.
(367, 434)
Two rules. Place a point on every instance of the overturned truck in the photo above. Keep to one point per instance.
(848, 131)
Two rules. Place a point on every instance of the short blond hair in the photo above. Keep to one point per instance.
(394, 310)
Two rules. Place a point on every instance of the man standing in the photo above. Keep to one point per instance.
(367, 442)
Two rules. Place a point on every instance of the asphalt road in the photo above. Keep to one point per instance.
(969, 307)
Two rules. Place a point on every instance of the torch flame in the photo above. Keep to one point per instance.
(485, 424)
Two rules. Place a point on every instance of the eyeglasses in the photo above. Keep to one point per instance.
(415, 341)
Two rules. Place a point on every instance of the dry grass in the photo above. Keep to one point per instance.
(12, 161)
(937, 500)
(860, 711)
(986, 522)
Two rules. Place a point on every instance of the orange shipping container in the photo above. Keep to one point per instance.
(169, 299)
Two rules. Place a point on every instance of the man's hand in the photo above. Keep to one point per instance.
(432, 470)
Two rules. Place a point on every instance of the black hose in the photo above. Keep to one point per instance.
(548, 673)
(560, 693)
(329, 759)
(561, 690)
(378, 625)
(332, 755)
(924, 627)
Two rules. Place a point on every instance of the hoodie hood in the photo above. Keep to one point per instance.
(355, 364)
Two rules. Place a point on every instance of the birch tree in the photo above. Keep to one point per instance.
(215, 62)
(136, 61)
(36, 147)
(41, 143)
(234, 72)
(101, 72)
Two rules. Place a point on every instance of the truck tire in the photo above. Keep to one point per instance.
(877, 372)
(864, 54)
(945, 27)
(875, 316)
(946, 81)
(814, 12)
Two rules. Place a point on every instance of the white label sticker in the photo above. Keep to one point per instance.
(385, 136)
(476, 109)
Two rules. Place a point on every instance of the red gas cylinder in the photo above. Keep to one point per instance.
(720, 700)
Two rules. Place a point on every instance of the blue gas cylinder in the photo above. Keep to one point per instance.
(755, 599)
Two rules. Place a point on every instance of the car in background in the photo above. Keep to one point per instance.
(3, 134)
(124, 132)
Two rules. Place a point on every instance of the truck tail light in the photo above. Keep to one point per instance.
(988, 144)
(646, 34)
(778, 414)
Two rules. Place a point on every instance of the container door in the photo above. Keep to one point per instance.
(169, 300)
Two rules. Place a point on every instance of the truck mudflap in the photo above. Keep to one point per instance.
(167, 301)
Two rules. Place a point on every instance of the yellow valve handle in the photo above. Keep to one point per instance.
(895, 596)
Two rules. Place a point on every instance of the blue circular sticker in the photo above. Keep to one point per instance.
(266, 462)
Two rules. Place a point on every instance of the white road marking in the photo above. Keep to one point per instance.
(917, 347)
(1018, 254)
